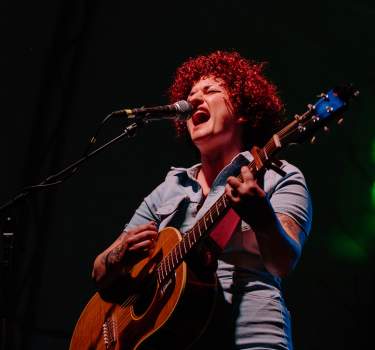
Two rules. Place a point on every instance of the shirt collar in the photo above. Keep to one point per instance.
(239, 160)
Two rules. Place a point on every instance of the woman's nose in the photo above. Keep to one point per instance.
(196, 99)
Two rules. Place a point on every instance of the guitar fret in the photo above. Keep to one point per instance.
(171, 264)
(197, 235)
(194, 237)
(166, 267)
(184, 240)
(158, 274)
(179, 247)
(172, 259)
(175, 255)
(167, 264)
(224, 202)
(200, 227)
(189, 238)
(212, 221)
(217, 209)
(161, 272)
(163, 269)
(204, 222)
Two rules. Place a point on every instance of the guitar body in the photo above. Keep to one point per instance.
(167, 301)
(149, 315)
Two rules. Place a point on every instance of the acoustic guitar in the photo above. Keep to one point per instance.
(166, 302)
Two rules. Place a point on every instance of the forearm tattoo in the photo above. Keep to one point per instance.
(114, 256)
(290, 226)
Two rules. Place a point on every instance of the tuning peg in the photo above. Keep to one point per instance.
(340, 121)
(326, 129)
(313, 139)
(324, 96)
(315, 118)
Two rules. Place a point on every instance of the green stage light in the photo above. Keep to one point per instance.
(354, 242)
(348, 248)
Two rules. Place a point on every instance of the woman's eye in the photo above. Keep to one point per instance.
(212, 91)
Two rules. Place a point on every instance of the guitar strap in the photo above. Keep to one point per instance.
(224, 229)
(227, 225)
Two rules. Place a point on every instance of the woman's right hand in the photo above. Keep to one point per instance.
(129, 248)
(133, 245)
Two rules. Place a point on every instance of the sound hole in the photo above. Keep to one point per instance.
(150, 291)
(146, 294)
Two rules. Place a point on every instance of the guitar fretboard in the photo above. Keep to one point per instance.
(176, 255)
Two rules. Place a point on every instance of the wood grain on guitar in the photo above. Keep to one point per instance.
(164, 295)
(161, 300)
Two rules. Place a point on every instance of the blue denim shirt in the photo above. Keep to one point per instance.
(177, 202)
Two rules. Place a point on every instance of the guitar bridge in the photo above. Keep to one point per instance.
(109, 333)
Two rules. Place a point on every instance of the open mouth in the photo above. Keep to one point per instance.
(200, 117)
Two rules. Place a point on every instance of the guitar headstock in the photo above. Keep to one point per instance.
(330, 106)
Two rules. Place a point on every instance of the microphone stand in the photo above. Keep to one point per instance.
(7, 233)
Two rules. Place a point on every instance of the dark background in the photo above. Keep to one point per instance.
(66, 64)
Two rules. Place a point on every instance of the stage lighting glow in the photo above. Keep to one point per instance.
(348, 248)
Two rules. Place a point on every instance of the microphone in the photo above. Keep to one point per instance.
(181, 110)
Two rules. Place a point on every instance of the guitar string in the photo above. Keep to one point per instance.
(197, 229)
(124, 320)
(211, 211)
(284, 132)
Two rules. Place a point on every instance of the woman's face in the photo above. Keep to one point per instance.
(213, 124)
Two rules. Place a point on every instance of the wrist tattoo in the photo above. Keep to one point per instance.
(114, 256)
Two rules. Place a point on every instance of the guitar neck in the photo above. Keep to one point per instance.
(303, 126)
(175, 257)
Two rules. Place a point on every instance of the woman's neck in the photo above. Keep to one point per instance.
(212, 164)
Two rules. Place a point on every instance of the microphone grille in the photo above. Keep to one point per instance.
(184, 107)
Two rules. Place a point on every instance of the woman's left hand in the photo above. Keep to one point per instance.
(241, 194)
(279, 237)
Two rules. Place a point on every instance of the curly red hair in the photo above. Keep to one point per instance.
(251, 94)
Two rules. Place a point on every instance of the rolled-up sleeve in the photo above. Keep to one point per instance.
(289, 195)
